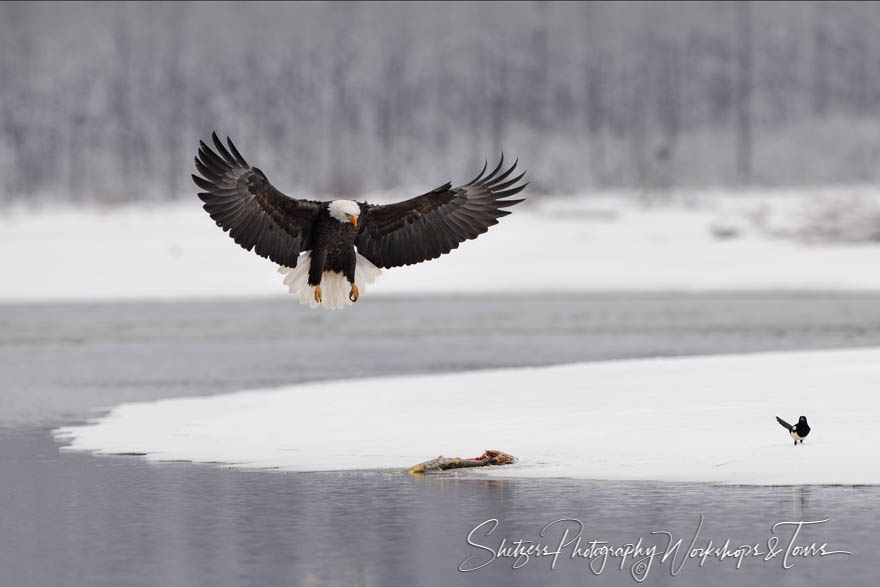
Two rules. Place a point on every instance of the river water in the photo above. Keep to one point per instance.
(74, 519)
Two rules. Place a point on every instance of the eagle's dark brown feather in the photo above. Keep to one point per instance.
(242, 201)
(430, 225)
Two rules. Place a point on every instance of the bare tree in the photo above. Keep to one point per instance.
(744, 92)
(107, 102)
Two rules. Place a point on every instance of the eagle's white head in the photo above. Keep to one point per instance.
(344, 210)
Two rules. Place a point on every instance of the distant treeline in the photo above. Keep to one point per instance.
(107, 101)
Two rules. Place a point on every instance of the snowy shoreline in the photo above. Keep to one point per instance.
(696, 419)
(561, 245)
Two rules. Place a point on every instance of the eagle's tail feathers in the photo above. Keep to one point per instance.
(334, 286)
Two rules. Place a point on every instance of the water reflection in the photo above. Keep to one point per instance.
(61, 361)
(117, 520)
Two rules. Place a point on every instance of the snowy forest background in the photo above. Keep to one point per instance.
(106, 102)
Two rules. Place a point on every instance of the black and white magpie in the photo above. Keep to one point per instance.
(799, 431)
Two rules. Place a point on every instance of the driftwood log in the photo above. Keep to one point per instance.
(441, 463)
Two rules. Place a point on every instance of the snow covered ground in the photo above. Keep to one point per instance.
(690, 419)
(716, 242)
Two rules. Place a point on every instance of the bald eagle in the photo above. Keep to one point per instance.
(323, 247)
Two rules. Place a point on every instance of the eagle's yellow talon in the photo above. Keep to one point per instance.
(354, 294)
(318, 293)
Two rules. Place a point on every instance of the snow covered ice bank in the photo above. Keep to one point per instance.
(577, 244)
(705, 419)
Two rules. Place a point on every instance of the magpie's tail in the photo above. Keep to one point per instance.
(784, 424)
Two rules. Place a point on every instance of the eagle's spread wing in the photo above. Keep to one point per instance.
(243, 202)
(430, 225)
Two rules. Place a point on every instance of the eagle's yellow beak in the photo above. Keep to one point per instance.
(353, 219)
